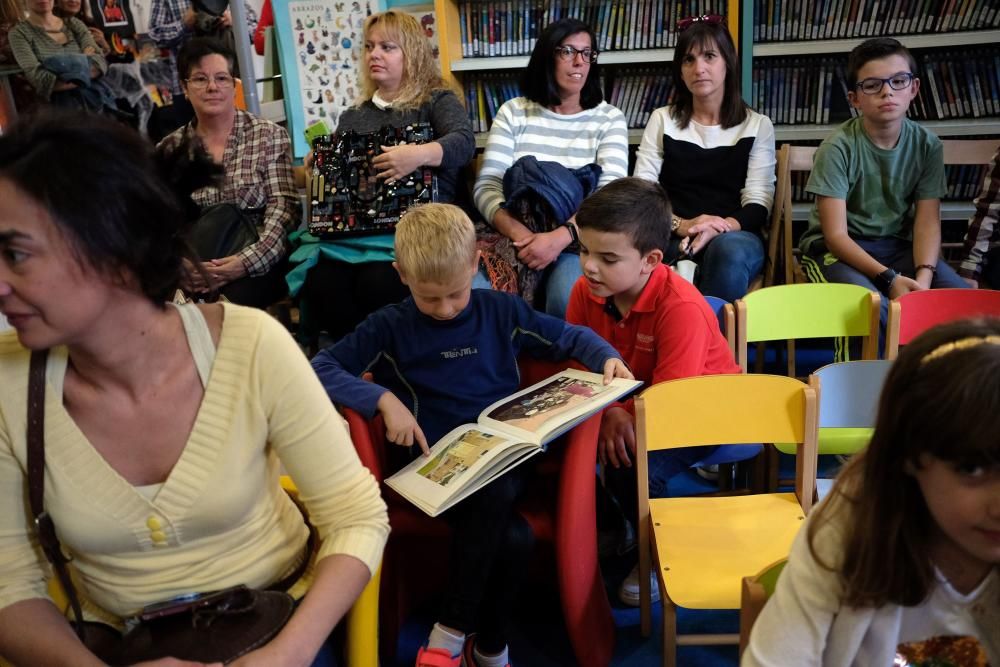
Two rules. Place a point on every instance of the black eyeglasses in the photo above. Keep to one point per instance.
(711, 19)
(568, 53)
(873, 85)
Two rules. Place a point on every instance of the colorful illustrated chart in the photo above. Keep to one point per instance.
(321, 49)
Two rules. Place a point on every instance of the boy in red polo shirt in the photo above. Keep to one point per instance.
(660, 324)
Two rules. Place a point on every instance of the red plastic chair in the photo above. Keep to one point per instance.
(567, 521)
(915, 312)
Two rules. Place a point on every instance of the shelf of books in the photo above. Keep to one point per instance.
(910, 21)
(486, 44)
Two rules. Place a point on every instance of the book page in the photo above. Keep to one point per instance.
(554, 405)
(462, 461)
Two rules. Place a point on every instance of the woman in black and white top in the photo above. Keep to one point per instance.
(715, 158)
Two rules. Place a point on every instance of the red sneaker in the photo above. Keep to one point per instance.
(437, 657)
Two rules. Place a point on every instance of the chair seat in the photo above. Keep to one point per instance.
(705, 546)
(836, 441)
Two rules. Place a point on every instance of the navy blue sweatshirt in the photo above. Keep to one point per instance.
(447, 372)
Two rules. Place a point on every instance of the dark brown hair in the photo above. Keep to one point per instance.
(703, 34)
(632, 206)
(875, 49)
(946, 406)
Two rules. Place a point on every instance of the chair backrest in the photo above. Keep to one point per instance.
(915, 312)
(774, 234)
(849, 392)
(969, 151)
(797, 159)
(808, 310)
(756, 592)
(756, 408)
(726, 315)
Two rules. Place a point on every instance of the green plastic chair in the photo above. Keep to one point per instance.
(755, 593)
(810, 310)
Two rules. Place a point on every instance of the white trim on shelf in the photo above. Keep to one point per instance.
(479, 63)
(963, 38)
(955, 127)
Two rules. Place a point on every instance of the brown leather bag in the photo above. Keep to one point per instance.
(210, 627)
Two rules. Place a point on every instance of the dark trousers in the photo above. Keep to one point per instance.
(259, 291)
(338, 296)
(490, 550)
(895, 253)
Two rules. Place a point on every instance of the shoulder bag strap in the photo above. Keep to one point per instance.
(36, 482)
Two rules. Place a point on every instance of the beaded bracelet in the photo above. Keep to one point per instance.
(932, 268)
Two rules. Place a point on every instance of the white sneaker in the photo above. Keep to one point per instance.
(709, 472)
(628, 592)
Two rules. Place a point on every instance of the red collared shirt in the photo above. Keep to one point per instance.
(670, 332)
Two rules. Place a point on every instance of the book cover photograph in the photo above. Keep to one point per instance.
(508, 432)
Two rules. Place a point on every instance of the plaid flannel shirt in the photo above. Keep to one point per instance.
(258, 164)
(166, 28)
(983, 228)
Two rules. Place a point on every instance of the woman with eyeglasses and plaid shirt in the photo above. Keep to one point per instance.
(256, 156)
(715, 158)
(562, 117)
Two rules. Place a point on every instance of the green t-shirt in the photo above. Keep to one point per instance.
(880, 186)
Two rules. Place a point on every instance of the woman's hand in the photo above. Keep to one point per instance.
(703, 229)
(540, 250)
(401, 426)
(102, 43)
(396, 162)
(225, 270)
(616, 442)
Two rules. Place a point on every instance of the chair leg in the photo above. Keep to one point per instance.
(669, 629)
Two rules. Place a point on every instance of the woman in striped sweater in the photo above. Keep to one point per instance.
(563, 118)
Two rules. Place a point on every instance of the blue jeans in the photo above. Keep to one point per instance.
(727, 264)
(892, 252)
(560, 277)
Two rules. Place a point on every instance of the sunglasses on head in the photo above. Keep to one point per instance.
(711, 19)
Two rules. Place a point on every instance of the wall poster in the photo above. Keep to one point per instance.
(321, 47)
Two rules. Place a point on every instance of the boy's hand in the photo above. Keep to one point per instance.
(971, 282)
(616, 368)
(401, 426)
(902, 285)
(617, 439)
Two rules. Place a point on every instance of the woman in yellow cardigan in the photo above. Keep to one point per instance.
(165, 426)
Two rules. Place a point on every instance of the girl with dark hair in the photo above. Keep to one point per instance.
(257, 158)
(715, 158)
(165, 426)
(561, 118)
(901, 562)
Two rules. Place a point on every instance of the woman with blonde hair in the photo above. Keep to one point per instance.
(400, 84)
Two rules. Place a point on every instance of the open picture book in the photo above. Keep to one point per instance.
(508, 433)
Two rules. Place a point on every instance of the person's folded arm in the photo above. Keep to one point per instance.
(926, 239)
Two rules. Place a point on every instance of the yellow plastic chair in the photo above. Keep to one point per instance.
(755, 594)
(810, 310)
(704, 546)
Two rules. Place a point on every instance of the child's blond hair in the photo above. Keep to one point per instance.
(434, 242)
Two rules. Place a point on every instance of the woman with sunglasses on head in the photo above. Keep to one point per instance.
(715, 158)
(563, 118)
(256, 157)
